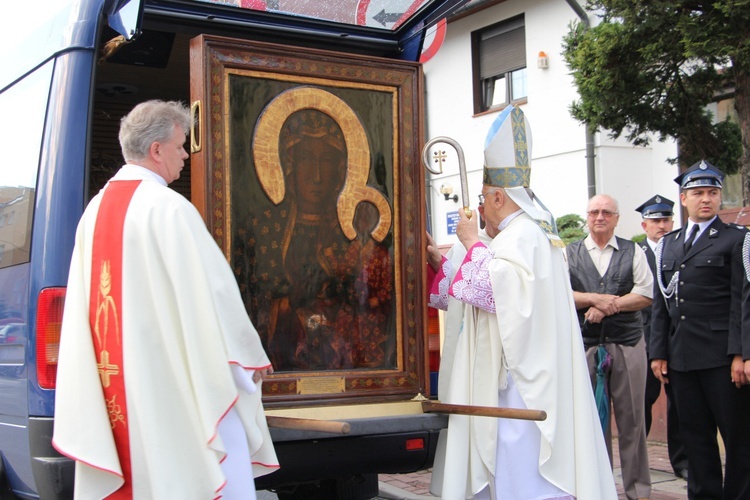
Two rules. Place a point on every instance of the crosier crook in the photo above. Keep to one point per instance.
(439, 158)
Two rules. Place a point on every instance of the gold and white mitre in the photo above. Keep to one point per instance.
(507, 164)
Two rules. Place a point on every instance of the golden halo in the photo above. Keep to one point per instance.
(355, 190)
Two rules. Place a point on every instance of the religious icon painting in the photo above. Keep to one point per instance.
(306, 169)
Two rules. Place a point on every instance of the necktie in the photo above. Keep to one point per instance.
(691, 237)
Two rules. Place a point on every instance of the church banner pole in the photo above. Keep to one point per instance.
(439, 157)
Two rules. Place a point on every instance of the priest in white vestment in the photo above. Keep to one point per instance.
(512, 340)
(158, 383)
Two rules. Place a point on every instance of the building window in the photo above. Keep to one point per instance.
(499, 54)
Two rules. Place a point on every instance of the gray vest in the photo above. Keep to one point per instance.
(624, 328)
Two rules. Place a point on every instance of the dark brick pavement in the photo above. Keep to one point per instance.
(664, 484)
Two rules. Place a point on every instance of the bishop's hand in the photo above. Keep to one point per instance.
(467, 230)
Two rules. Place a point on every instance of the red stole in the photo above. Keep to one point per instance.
(105, 316)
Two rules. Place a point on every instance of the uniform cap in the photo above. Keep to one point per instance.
(700, 174)
(656, 207)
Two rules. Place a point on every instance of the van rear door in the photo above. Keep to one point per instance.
(49, 53)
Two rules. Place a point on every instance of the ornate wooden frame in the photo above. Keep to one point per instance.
(244, 93)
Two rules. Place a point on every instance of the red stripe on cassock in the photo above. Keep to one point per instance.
(105, 316)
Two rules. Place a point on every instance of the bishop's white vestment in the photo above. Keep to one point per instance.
(522, 348)
(188, 351)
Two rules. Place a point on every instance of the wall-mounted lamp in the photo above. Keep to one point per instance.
(543, 61)
(446, 190)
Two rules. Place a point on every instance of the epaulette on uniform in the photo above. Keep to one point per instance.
(673, 231)
(732, 225)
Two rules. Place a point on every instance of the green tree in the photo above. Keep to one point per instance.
(570, 228)
(652, 66)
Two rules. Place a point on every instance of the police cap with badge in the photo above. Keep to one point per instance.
(701, 174)
(656, 207)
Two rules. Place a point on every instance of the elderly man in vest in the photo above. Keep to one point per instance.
(611, 283)
(517, 345)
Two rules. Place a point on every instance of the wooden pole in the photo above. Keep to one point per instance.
(309, 424)
(483, 411)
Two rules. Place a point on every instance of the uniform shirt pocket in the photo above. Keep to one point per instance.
(667, 264)
(709, 261)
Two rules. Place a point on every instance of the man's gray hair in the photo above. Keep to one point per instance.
(604, 196)
(149, 122)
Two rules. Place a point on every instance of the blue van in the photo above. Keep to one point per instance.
(70, 69)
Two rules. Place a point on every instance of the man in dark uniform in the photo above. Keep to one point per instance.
(696, 337)
(657, 221)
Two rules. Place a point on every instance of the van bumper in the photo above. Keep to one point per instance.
(383, 445)
(53, 473)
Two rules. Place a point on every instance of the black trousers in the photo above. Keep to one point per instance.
(707, 400)
(675, 448)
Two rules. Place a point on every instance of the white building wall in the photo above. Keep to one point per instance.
(559, 178)
(632, 175)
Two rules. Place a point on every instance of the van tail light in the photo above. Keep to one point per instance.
(433, 338)
(49, 313)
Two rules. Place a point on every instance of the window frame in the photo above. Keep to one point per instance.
(480, 40)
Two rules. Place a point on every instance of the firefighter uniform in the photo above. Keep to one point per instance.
(696, 326)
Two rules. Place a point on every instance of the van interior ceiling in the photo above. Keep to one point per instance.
(155, 65)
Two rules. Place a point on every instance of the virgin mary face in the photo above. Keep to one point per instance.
(318, 169)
